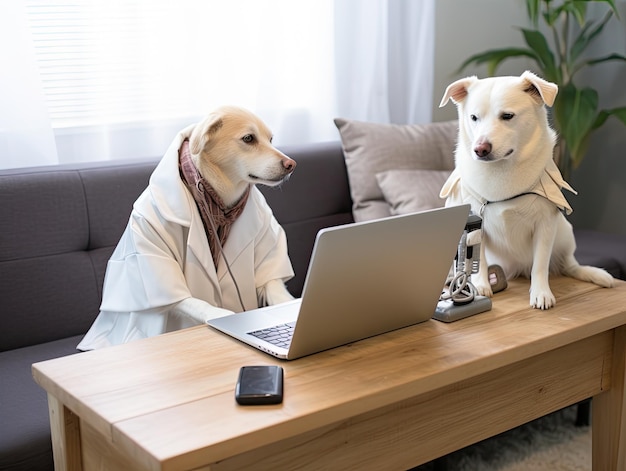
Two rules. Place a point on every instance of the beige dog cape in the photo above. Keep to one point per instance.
(549, 186)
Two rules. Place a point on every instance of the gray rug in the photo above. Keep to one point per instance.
(551, 443)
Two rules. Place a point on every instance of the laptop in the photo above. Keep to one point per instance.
(364, 279)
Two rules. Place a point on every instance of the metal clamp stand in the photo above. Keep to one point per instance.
(460, 299)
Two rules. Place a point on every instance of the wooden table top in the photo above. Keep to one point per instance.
(173, 395)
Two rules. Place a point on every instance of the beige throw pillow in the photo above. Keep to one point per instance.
(409, 191)
(372, 148)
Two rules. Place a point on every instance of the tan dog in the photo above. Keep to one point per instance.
(232, 149)
(504, 169)
(201, 241)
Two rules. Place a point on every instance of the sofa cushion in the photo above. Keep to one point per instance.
(409, 191)
(372, 148)
(26, 445)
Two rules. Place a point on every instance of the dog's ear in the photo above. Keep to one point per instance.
(203, 131)
(542, 90)
(457, 91)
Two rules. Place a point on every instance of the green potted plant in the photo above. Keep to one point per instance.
(575, 114)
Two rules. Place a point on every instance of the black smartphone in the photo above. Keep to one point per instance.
(259, 385)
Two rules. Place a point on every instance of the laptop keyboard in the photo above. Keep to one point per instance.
(279, 335)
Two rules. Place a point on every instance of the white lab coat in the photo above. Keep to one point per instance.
(163, 257)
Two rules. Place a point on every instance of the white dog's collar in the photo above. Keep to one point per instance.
(484, 202)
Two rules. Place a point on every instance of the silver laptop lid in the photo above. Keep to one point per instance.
(372, 277)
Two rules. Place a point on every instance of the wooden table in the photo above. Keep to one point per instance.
(389, 402)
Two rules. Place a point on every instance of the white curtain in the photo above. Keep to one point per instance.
(116, 79)
(384, 60)
(26, 134)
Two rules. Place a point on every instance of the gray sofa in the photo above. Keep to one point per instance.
(58, 227)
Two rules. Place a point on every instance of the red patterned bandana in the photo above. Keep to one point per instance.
(216, 218)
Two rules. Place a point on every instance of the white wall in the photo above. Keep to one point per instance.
(467, 27)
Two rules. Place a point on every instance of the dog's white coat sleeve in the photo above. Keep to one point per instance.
(273, 292)
(198, 310)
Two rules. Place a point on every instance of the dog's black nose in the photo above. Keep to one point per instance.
(483, 149)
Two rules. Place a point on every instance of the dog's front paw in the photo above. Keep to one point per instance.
(483, 289)
(198, 310)
(542, 299)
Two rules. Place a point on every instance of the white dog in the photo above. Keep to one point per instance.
(201, 241)
(504, 169)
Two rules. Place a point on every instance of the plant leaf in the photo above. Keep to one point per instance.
(538, 43)
(619, 113)
(533, 8)
(611, 3)
(610, 57)
(587, 35)
(575, 112)
(495, 56)
(578, 9)
(551, 12)
(598, 60)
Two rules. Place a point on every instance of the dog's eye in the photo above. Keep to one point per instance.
(474, 117)
(507, 116)
(248, 138)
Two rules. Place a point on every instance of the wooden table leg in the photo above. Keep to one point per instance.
(65, 430)
(609, 413)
